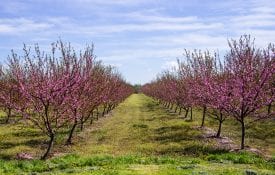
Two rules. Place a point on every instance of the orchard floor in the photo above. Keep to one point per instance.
(140, 137)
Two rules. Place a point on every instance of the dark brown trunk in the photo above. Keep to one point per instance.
(104, 111)
(186, 112)
(219, 129)
(82, 124)
(69, 140)
(109, 108)
(191, 114)
(8, 115)
(203, 116)
(50, 145)
(92, 117)
(180, 111)
(269, 108)
(97, 113)
(243, 134)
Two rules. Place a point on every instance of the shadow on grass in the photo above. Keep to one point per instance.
(203, 150)
(27, 133)
(175, 133)
(193, 150)
(7, 145)
(4, 156)
(14, 119)
(149, 107)
(160, 117)
(3, 120)
(165, 129)
(32, 143)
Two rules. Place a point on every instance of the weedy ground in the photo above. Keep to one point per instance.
(140, 137)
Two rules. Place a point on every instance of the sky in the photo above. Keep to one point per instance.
(140, 37)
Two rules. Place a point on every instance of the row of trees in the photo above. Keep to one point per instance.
(241, 85)
(60, 90)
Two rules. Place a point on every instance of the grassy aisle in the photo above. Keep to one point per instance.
(140, 137)
(139, 126)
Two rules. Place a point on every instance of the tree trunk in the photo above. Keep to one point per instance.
(186, 112)
(203, 116)
(221, 119)
(218, 135)
(92, 118)
(109, 108)
(176, 108)
(69, 140)
(97, 113)
(180, 111)
(82, 124)
(269, 108)
(8, 115)
(50, 145)
(191, 114)
(104, 110)
(243, 134)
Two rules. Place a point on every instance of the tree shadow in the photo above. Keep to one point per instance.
(27, 134)
(160, 117)
(12, 120)
(32, 143)
(193, 150)
(3, 120)
(8, 145)
(165, 129)
(176, 133)
(4, 156)
(149, 107)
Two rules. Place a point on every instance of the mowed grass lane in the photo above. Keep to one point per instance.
(139, 126)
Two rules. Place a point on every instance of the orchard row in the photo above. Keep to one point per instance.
(60, 90)
(241, 85)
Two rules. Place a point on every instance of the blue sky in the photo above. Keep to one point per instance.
(140, 37)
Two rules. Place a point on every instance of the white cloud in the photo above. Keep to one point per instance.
(168, 65)
(254, 20)
(116, 65)
(17, 25)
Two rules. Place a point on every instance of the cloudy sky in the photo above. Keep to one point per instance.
(140, 37)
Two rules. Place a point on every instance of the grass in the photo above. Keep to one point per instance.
(139, 137)
(133, 164)
(260, 135)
